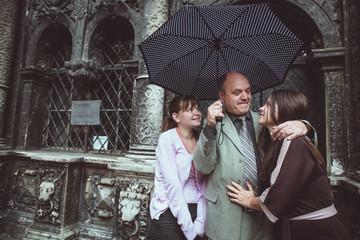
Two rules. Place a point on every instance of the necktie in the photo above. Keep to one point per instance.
(250, 170)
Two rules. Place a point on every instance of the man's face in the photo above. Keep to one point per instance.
(236, 94)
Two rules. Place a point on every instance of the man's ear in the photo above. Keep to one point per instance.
(221, 96)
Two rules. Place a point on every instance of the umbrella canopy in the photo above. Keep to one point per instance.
(198, 44)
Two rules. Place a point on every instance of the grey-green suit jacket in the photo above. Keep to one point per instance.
(224, 162)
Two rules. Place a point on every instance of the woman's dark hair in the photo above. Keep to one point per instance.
(291, 105)
(177, 104)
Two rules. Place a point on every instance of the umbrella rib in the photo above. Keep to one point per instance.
(172, 35)
(264, 34)
(183, 56)
(248, 55)
(202, 67)
(205, 22)
(227, 29)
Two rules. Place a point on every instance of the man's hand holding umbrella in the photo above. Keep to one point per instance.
(214, 111)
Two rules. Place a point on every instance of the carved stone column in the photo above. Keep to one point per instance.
(8, 16)
(36, 85)
(332, 63)
(148, 99)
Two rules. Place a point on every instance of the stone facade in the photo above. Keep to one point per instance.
(63, 194)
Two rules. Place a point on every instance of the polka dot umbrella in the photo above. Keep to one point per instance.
(198, 44)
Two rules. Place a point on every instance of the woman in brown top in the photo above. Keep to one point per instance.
(297, 195)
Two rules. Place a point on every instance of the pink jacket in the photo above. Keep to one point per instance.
(173, 165)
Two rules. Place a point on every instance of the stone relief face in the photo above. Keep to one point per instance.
(48, 200)
(46, 190)
(130, 208)
(133, 208)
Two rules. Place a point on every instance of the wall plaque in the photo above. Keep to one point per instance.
(85, 112)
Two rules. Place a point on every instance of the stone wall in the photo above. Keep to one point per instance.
(49, 195)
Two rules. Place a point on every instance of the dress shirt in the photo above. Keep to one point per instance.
(210, 133)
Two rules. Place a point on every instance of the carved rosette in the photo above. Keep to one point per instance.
(133, 209)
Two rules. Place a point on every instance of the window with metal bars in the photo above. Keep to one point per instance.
(113, 88)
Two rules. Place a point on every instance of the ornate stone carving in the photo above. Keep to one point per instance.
(133, 209)
(49, 9)
(134, 4)
(334, 81)
(156, 13)
(50, 192)
(113, 7)
(100, 196)
(8, 20)
(80, 8)
(84, 72)
(23, 193)
(334, 9)
(147, 113)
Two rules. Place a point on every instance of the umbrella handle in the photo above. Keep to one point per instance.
(218, 119)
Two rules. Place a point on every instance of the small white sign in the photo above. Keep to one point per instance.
(100, 142)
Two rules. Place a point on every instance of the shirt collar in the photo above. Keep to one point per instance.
(234, 117)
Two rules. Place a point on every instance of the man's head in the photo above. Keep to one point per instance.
(235, 93)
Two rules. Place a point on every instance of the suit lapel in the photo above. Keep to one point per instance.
(229, 130)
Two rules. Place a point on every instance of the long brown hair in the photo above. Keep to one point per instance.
(177, 104)
(291, 105)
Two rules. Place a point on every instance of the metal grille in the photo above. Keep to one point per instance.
(115, 93)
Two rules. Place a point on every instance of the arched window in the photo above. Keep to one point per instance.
(53, 50)
(112, 45)
(107, 77)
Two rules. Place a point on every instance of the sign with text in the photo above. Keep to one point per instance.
(85, 112)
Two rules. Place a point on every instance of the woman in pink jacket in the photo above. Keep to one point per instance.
(178, 207)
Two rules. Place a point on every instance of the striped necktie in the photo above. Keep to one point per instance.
(250, 170)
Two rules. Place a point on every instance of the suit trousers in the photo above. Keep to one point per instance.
(167, 228)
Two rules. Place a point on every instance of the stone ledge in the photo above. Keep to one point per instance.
(115, 163)
(346, 183)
